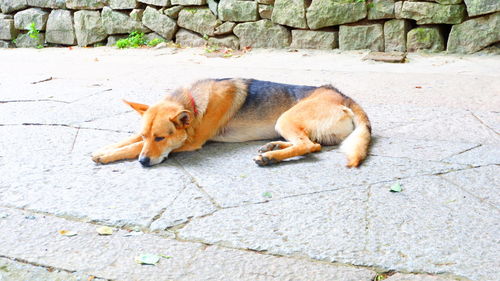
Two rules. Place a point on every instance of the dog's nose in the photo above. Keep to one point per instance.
(145, 161)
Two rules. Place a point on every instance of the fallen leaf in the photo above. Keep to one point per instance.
(151, 259)
(418, 87)
(396, 188)
(104, 230)
(267, 195)
(68, 233)
(165, 256)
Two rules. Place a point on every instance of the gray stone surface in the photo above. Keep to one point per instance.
(174, 11)
(89, 28)
(9, 6)
(115, 22)
(358, 37)
(27, 41)
(323, 13)
(432, 226)
(290, 13)
(474, 34)
(428, 39)
(395, 32)
(309, 39)
(112, 39)
(381, 9)
(60, 28)
(238, 11)
(481, 7)
(123, 4)
(107, 256)
(189, 2)
(262, 34)
(435, 132)
(229, 41)
(265, 11)
(162, 3)
(86, 4)
(213, 6)
(481, 182)
(53, 4)
(309, 174)
(159, 23)
(14, 271)
(189, 38)
(6, 44)
(24, 19)
(136, 14)
(431, 13)
(200, 20)
(225, 28)
(7, 29)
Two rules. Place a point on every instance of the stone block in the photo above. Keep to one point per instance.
(174, 11)
(6, 44)
(229, 41)
(359, 37)
(310, 39)
(24, 19)
(52, 4)
(430, 39)
(123, 4)
(289, 12)
(115, 22)
(189, 2)
(86, 4)
(89, 28)
(238, 11)
(224, 28)
(7, 29)
(381, 9)
(395, 32)
(474, 34)
(262, 34)
(161, 3)
(10, 6)
(27, 41)
(265, 11)
(200, 20)
(213, 6)
(159, 23)
(187, 38)
(481, 7)
(323, 13)
(60, 28)
(432, 13)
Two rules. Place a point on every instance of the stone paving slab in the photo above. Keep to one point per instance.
(228, 174)
(432, 226)
(481, 155)
(59, 177)
(108, 256)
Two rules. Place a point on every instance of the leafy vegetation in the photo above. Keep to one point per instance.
(136, 40)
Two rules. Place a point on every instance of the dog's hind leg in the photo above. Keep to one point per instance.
(274, 145)
(130, 151)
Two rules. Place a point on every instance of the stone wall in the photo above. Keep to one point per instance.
(459, 26)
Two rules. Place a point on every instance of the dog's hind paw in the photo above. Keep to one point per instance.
(264, 161)
(275, 145)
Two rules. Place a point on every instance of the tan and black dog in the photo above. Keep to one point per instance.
(238, 110)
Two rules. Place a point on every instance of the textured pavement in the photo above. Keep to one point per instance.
(213, 213)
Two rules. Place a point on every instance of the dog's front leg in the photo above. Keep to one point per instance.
(130, 151)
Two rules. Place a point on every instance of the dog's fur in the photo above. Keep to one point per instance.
(238, 110)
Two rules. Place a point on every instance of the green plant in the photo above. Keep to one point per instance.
(33, 32)
(134, 40)
(155, 42)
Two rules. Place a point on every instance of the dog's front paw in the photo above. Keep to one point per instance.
(264, 161)
(99, 157)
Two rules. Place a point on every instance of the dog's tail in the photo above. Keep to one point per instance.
(355, 146)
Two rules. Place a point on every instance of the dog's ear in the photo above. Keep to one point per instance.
(140, 108)
(182, 119)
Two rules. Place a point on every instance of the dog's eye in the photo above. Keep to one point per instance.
(159, 138)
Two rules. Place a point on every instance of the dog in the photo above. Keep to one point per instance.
(239, 110)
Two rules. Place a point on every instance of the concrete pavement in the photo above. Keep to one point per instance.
(213, 213)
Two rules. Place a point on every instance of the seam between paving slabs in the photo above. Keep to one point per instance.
(48, 267)
(461, 152)
(482, 122)
(65, 125)
(264, 252)
(39, 100)
(470, 193)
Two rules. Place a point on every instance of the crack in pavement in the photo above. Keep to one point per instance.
(39, 100)
(66, 125)
(49, 268)
(458, 153)
(484, 124)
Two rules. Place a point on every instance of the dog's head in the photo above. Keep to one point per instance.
(163, 129)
